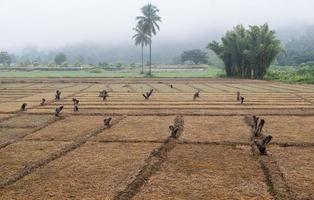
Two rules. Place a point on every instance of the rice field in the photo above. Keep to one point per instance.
(75, 156)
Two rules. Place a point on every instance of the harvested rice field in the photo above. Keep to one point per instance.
(207, 172)
(77, 156)
(83, 173)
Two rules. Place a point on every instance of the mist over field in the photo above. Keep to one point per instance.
(54, 24)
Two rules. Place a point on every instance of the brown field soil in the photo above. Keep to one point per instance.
(77, 157)
(140, 87)
(215, 129)
(76, 87)
(143, 128)
(120, 88)
(296, 88)
(184, 87)
(164, 88)
(252, 87)
(4, 116)
(297, 166)
(205, 88)
(14, 157)
(68, 129)
(94, 171)
(97, 88)
(185, 111)
(7, 134)
(290, 129)
(15, 85)
(22, 121)
(207, 172)
(15, 106)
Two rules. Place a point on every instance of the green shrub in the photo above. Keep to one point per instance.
(99, 71)
(119, 65)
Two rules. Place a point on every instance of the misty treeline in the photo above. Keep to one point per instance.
(247, 53)
(95, 54)
(298, 49)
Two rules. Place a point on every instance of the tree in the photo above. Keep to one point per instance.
(141, 39)
(197, 56)
(298, 50)
(60, 58)
(263, 47)
(247, 53)
(65, 64)
(148, 23)
(119, 65)
(80, 59)
(35, 63)
(5, 59)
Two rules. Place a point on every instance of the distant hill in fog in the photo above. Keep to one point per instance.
(163, 51)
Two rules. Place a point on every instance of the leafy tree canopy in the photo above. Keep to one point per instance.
(247, 53)
(196, 56)
(60, 58)
(5, 59)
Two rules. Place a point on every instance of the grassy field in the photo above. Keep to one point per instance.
(211, 72)
(75, 156)
(287, 74)
(291, 74)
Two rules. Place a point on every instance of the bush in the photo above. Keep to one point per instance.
(303, 74)
(103, 64)
(77, 64)
(65, 64)
(51, 64)
(98, 71)
(119, 65)
(133, 65)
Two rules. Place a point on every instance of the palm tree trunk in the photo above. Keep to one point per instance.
(150, 57)
(142, 72)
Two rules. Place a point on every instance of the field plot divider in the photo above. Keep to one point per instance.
(132, 89)
(153, 163)
(238, 88)
(303, 98)
(10, 117)
(19, 138)
(155, 89)
(274, 178)
(31, 167)
(67, 96)
(109, 87)
(179, 90)
(196, 88)
(51, 101)
(216, 88)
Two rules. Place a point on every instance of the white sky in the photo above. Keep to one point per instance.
(53, 23)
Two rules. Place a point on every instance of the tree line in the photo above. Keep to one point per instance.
(299, 50)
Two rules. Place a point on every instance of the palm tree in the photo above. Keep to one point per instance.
(141, 39)
(148, 24)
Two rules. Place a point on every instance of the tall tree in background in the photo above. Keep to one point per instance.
(247, 53)
(5, 58)
(60, 58)
(148, 23)
(196, 56)
(263, 47)
(141, 39)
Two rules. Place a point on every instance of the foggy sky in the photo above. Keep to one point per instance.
(55, 23)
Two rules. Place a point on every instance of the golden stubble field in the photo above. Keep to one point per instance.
(75, 156)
